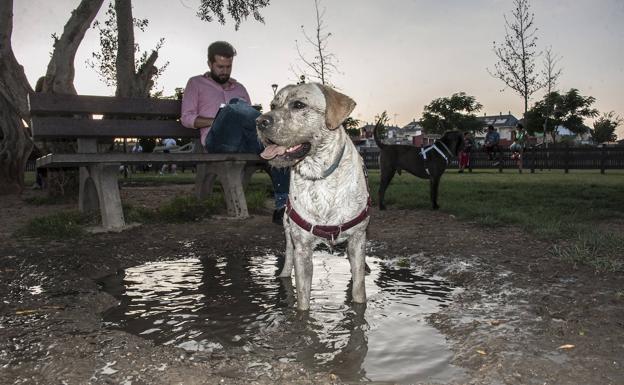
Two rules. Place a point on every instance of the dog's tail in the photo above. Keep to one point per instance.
(381, 121)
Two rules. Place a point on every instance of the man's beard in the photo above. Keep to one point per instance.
(221, 80)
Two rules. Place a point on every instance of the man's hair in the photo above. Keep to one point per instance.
(519, 125)
(221, 48)
(490, 127)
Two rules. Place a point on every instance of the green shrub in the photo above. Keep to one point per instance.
(599, 250)
(47, 199)
(139, 214)
(186, 209)
(63, 225)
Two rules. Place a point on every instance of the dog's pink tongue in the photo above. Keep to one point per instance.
(273, 150)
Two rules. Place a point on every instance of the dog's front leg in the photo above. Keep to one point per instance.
(303, 273)
(356, 251)
(288, 260)
(434, 183)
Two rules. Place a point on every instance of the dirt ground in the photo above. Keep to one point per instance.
(523, 317)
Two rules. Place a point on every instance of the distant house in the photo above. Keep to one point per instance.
(414, 134)
(410, 134)
(504, 124)
(365, 139)
(367, 131)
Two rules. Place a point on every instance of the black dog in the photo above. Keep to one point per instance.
(427, 163)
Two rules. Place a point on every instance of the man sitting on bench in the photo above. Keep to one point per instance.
(220, 107)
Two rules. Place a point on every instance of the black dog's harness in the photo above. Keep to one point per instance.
(424, 151)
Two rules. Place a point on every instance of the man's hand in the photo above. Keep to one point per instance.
(201, 122)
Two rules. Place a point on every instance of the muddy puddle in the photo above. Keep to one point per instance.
(205, 305)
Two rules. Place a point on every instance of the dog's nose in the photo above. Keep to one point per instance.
(264, 121)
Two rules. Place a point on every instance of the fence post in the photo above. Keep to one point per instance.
(532, 159)
(566, 158)
(603, 159)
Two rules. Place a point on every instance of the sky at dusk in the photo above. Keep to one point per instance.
(393, 55)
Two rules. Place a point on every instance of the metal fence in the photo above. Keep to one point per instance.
(30, 165)
(561, 157)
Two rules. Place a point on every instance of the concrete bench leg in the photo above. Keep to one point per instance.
(88, 200)
(230, 175)
(204, 181)
(104, 177)
(250, 169)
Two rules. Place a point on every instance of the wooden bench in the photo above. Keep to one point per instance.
(55, 117)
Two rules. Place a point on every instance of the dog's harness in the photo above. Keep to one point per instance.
(424, 151)
(328, 232)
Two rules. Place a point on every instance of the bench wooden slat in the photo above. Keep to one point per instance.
(54, 127)
(60, 104)
(74, 160)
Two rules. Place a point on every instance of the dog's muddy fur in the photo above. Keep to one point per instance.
(396, 157)
(328, 186)
(518, 304)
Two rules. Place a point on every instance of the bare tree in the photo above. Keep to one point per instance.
(15, 143)
(551, 71)
(517, 54)
(59, 76)
(551, 74)
(131, 81)
(104, 61)
(321, 64)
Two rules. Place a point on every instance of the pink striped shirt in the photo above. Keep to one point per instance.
(203, 96)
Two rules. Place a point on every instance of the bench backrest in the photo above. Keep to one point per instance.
(70, 116)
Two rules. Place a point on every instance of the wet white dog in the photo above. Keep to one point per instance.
(328, 198)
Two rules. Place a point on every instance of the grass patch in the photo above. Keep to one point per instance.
(190, 209)
(63, 225)
(601, 251)
(186, 209)
(550, 205)
(179, 210)
(44, 200)
(151, 178)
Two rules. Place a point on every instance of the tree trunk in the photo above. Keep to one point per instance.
(15, 142)
(131, 83)
(59, 79)
(60, 73)
(15, 147)
(125, 48)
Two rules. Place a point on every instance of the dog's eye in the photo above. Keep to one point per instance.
(273, 106)
(298, 105)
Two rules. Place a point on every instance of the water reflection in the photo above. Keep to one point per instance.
(203, 305)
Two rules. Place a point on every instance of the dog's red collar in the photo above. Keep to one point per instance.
(328, 232)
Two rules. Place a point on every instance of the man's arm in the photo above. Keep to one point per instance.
(201, 122)
(190, 108)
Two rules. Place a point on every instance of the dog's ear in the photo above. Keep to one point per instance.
(339, 106)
